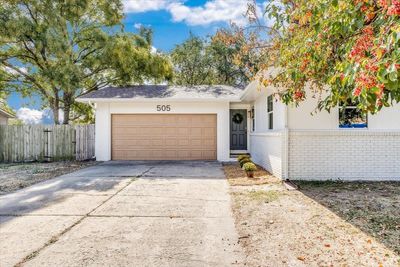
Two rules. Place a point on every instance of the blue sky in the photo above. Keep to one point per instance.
(171, 20)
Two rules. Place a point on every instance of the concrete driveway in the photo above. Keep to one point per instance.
(122, 214)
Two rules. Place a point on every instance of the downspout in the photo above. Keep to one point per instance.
(286, 145)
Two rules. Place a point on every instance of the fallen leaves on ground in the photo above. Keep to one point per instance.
(287, 228)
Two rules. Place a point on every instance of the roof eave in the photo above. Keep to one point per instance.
(103, 100)
(7, 114)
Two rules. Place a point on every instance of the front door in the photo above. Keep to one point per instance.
(238, 129)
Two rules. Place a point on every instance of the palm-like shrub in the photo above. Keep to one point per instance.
(241, 157)
(243, 161)
(249, 167)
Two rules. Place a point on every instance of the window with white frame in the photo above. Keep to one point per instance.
(270, 112)
(352, 117)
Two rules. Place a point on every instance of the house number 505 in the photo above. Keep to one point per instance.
(163, 107)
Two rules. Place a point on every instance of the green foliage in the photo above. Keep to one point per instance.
(200, 61)
(63, 49)
(15, 122)
(249, 167)
(351, 46)
(243, 161)
(241, 157)
(193, 64)
(264, 196)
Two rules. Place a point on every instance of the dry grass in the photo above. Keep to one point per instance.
(287, 228)
(237, 177)
(371, 206)
(15, 176)
(321, 224)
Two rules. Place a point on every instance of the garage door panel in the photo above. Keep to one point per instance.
(196, 131)
(171, 142)
(209, 132)
(209, 143)
(164, 137)
(209, 154)
(183, 131)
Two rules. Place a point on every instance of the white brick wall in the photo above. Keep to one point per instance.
(266, 150)
(344, 154)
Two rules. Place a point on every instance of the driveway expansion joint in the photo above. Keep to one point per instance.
(157, 216)
(173, 197)
(55, 238)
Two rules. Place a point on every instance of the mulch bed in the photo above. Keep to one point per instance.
(237, 177)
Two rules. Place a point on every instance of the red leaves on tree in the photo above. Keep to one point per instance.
(392, 8)
(363, 44)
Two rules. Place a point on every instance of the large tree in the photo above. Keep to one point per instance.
(209, 61)
(236, 55)
(62, 49)
(347, 50)
(193, 63)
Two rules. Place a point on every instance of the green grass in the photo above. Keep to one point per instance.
(264, 196)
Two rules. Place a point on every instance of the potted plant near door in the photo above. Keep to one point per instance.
(249, 168)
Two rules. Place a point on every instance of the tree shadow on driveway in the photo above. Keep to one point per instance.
(77, 193)
(64, 195)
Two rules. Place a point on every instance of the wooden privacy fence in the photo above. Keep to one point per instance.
(46, 143)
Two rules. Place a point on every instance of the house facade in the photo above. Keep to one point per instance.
(218, 122)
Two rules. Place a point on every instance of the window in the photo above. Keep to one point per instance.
(253, 120)
(351, 117)
(270, 111)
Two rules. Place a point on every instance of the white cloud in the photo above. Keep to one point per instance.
(138, 25)
(34, 116)
(31, 116)
(212, 11)
(137, 6)
(153, 50)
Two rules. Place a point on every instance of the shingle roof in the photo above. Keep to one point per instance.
(165, 91)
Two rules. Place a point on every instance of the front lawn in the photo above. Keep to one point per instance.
(374, 207)
(278, 227)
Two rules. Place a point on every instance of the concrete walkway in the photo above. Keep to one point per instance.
(122, 214)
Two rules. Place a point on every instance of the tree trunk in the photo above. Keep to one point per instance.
(55, 106)
(67, 107)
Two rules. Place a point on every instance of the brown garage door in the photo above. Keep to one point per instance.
(164, 137)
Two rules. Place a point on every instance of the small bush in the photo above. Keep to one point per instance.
(249, 167)
(241, 157)
(243, 161)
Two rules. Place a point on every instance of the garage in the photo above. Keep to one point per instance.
(162, 122)
(164, 136)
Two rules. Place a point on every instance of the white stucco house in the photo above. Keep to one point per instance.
(215, 122)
